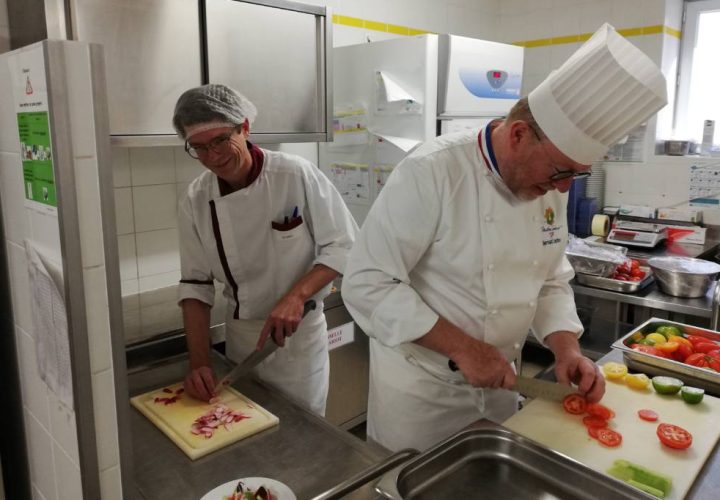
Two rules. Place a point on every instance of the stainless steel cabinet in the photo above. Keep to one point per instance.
(152, 55)
(277, 54)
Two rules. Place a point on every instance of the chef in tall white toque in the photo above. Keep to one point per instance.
(463, 252)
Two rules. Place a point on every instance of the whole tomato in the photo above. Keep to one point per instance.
(702, 360)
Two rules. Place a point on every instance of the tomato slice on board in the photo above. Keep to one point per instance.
(649, 415)
(674, 436)
(575, 404)
(598, 410)
(609, 437)
(594, 421)
(593, 431)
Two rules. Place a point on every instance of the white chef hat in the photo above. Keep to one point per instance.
(603, 91)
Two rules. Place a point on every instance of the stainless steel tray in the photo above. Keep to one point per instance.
(495, 462)
(616, 285)
(653, 365)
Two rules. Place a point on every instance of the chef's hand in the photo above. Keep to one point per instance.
(282, 321)
(483, 365)
(200, 383)
(582, 372)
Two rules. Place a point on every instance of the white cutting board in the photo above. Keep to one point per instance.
(549, 424)
(176, 419)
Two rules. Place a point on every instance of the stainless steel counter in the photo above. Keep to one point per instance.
(651, 297)
(304, 452)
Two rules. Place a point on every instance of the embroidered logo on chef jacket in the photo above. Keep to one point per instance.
(550, 231)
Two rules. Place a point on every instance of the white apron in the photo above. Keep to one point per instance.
(300, 369)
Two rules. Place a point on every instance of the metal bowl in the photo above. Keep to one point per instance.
(683, 276)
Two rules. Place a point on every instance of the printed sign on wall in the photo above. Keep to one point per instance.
(27, 69)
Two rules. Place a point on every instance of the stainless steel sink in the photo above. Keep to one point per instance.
(495, 463)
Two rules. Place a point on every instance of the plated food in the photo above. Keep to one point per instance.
(251, 488)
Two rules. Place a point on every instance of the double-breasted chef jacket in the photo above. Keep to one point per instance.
(446, 237)
(259, 241)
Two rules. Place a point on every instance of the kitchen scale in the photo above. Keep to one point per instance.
(640, 234)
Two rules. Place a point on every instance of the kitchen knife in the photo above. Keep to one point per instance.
(256, 357)
(534, 387)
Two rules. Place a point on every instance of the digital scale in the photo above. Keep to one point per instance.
(639, 234)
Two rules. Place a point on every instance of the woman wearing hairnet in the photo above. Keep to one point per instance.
(269, 226)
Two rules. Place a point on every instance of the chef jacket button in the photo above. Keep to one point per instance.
(531, 303)
(494, 312)
(535, 263)
(488, 218)
(491, 267)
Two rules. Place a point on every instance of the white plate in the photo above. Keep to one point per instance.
(278, 490)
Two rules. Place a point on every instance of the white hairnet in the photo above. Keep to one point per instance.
(211, 103)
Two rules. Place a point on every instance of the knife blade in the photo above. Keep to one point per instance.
(256, 357)
(543, 389)
(535, 387)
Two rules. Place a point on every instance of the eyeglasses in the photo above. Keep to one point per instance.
(218, 145)
(560, 174)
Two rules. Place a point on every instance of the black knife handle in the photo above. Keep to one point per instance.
(452, 365)
(310, 305)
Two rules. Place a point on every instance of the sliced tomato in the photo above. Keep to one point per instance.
(648, 349)
(575, 404)
(609, 437)
(593, 431)
(601, 411)
(703, 361)
(594, 421)
(674, 436)
(649, 415)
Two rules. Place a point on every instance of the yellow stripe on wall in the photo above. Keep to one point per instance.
(626, 32)
(356, 22)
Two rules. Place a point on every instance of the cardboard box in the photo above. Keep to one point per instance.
(681, 214)
(637, 211)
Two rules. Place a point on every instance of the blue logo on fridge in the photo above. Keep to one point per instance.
(491, 83)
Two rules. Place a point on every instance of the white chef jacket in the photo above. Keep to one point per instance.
(231, 239)
(446, 237)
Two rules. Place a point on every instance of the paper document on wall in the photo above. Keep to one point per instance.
(350, 125)
(393, 98)
(705, 185)
(402, 143)
(50, 324)
(352, 181)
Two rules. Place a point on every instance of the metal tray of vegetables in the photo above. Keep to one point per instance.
(662, 347)
(614, 284)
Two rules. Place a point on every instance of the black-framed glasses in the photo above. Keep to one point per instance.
(559, 174)
(218, 145)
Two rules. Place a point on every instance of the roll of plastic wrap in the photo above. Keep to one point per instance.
(600, 225)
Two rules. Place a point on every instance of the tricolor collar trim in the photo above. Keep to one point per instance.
(486, 150)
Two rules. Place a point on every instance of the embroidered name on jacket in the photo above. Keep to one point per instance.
(550, 231)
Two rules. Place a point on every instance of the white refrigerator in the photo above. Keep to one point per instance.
(390, 96)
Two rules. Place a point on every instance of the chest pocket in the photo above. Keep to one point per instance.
(294, 251)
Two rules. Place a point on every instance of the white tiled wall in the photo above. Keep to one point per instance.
(51, 426)
(149, 182)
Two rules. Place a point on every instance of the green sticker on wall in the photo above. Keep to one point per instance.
(37, 158)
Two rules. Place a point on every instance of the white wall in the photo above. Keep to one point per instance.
(51, 426)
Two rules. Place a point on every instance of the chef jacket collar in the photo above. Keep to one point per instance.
(258, 159)
(488, 155)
